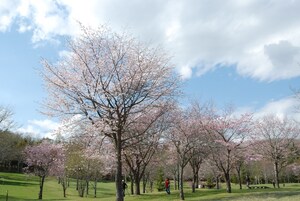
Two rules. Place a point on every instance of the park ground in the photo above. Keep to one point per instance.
(21, 187)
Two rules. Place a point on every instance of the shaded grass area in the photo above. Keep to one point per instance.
(22, 187)
(18, 186)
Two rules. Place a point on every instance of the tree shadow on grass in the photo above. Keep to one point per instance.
(276, 195)
(11, 198)
(155, 196)
(257, 196)
(16, 183)
(175, 195)
(18, 176)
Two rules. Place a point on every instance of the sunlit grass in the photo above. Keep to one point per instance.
(22, 187)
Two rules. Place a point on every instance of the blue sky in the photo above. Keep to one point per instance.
(242, 52)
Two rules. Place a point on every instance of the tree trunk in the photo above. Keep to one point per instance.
(178, 177)
(81, 187)
(195, 178)
(144, 183)
(87, 187)
(266, 178)
(218, 182)
(239, 177)
(19, 167)
(175, 180)
(65, 189)
(181, 183)
(144, 186)
(151, 186)
(64, 183)
(42, 179)
(137, 184)
(276, 174)
(194, 183)
(77, 183)
(95, 188)
(227, 180)
(119, 187)
(9, 166)
(132, 185)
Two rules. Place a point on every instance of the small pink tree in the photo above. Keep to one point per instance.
(44, 159)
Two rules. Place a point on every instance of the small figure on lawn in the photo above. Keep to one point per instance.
(248, 181)
(167, 185)
(273, 182)
(124, 186)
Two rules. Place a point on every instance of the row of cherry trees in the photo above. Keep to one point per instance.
(195, 136)
(123, 95)
(200, 133)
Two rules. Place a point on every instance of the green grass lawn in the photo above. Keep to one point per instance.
(21, 187)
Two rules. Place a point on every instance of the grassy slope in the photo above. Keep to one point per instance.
(24, 188)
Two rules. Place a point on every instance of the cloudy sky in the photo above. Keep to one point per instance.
(242, 52)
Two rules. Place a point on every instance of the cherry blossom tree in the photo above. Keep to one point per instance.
(275, 138)
(239, 163)
(209, 169)
(184, 137)
(99, 162)
(226, 134)
(172, 166)
(43, 160)
(137, 156)
(197, 158)
(85, 151)
(196, 113)
(108, 78)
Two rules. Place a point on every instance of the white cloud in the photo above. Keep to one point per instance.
(45, 124)
(31, 130)
(261, 38)
(286, 107)
(40, 128)
(281, 108)
(7, 13)
(64, 54)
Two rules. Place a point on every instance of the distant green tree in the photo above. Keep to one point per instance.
(160, 180)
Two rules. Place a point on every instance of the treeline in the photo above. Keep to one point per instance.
(11, 151)
(187, 145)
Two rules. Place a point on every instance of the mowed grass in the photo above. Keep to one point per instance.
(21, 187)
